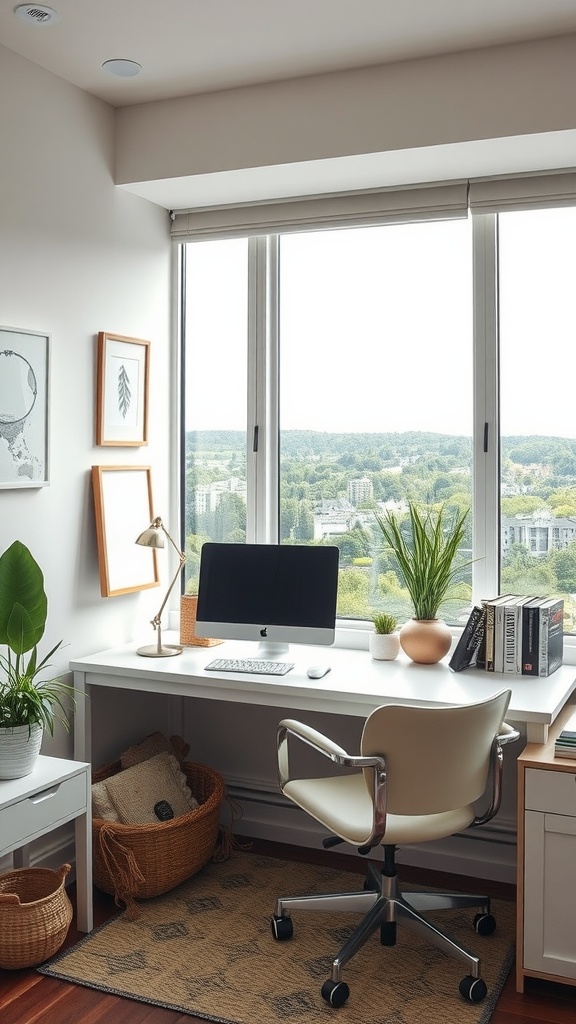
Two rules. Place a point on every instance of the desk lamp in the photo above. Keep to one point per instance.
(153, 537)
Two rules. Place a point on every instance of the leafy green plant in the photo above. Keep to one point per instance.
(427, 556)
(384, 623)
(24, 699)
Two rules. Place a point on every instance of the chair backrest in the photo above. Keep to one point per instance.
(437, 759)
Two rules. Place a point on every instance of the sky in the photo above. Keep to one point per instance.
(376, 328)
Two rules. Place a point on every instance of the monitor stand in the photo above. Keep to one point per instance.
(270, 650)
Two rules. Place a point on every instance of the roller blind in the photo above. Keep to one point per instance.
(381, 206)
(526, 192)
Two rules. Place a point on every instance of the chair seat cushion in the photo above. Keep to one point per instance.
(343, 806)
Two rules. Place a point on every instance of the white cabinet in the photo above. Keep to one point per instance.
(57, 791)
(546, 946)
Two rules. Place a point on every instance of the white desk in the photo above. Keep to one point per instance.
(57, 791)
(355, 685)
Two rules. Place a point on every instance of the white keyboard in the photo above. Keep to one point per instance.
(250, 665)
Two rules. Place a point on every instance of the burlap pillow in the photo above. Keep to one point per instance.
(154, 744)
(152, 791)
(102, 806)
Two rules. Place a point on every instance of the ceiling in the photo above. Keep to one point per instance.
(194, 46)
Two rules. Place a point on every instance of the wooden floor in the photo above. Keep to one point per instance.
(27, 997)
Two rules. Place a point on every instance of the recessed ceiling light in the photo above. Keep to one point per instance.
(121, 67)
(37, 14)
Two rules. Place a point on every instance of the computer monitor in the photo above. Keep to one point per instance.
(273, 593)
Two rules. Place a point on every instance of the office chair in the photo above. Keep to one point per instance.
(419, 774)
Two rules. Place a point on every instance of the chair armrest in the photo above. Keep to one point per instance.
(376, 766)
(324, 745)
(507, 735)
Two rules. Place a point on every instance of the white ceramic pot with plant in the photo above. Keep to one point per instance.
(28, 705)
(384, 641)
(426, 550)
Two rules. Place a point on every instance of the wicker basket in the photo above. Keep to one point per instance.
(35, 915)
(188, 607)
(140, 861)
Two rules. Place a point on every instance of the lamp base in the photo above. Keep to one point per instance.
(165, 651)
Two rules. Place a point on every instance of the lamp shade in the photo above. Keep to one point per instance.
(153, 537)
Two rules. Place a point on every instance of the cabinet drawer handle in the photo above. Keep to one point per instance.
(44, 795)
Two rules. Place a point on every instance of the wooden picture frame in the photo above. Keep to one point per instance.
(122, 390)
(24, 407)
(123, 509)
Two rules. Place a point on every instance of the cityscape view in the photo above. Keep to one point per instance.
(330, 485)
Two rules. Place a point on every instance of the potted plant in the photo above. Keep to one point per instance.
(428, 563)
(28, 705)
(384, 641)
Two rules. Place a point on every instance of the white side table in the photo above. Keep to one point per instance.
(56, 791)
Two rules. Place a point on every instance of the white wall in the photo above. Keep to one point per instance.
(78, 256)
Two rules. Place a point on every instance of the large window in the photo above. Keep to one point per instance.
(329, 373)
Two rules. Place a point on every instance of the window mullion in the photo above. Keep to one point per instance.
(486, 484)
(262, 415)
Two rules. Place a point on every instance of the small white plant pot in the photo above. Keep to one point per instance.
(384, 646)
(19, 750)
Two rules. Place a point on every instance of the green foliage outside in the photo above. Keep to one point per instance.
(426, 468)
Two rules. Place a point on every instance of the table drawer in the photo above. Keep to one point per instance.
(34, 815)
(554, 792)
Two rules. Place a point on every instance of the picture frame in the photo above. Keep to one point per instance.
(123, 371)
(123, 509)
(24, 407)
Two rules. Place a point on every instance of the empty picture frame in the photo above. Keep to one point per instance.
(24, 380)
(122, 390)
(123, 509)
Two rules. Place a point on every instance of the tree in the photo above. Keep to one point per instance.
(524, 574)
(564, 563)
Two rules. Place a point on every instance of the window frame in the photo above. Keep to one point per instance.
(263, 455)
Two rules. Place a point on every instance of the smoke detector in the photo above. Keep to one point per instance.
(122, 67)
(37, 14)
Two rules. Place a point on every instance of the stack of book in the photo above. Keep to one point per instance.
(514, 635)
(565, 745)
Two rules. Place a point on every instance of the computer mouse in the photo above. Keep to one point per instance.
(317, 671)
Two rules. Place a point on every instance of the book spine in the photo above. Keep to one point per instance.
(530, 641)
(551, 637)
(499, 638)
(509, 639)
(489, 637)
(469, 641)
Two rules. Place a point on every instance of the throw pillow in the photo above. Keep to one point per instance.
(152, 791)
(154, 744)
(102, 806)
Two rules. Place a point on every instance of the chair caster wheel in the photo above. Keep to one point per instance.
(281, 928)
(335, 992)
(473, 990)
(485, 924)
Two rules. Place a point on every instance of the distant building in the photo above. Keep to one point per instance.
(360, 491)
(207, 496)
(539, 533)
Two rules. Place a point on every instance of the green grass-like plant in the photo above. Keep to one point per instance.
(24, 699)
(427, 555)
(384, 623)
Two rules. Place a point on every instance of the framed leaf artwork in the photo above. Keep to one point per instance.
(122, 390)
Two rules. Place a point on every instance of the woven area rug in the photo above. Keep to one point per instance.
(206, 949)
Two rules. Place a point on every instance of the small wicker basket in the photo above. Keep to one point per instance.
(141, 861)
(188, 607)
(35, 915)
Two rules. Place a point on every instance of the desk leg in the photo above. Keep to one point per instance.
(83, 827)
(21, 857)
(82, 720)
